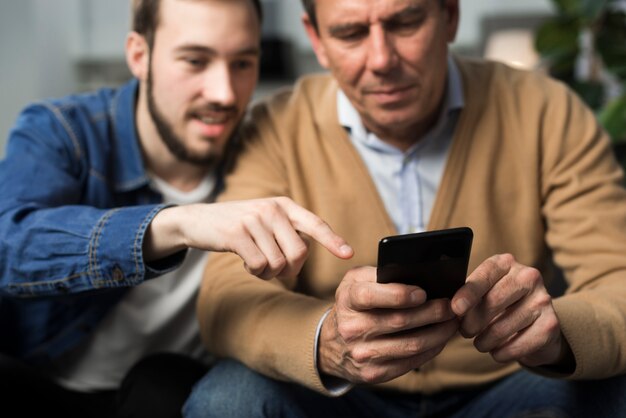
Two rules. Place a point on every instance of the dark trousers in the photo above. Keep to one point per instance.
(231, 390)
(155, 387)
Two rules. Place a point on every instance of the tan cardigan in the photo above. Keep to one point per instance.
(529, 171)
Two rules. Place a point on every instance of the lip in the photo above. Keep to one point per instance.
(214, 129)
(390, 95)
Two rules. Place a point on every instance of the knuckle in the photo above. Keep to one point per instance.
(250, 219)
(502, 356)
(361, 355)
(300, 252)
(532, 276)
(542, 300)
(256, 265)
(480, 346)
(414, 346)
(363, 295)
(278, 263)
(282, 200)
(398, 320)
(349, 330)
(372, 375)
(552, 326)
(499, 331)
(505, 259)
(268, 207)
(440, 310)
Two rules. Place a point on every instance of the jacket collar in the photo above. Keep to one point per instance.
(130, 173)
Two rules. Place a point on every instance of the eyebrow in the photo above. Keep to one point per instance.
(409, 11)
(252, 50)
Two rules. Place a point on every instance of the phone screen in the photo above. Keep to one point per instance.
(436, 261)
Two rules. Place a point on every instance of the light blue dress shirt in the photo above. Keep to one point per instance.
(408, 181)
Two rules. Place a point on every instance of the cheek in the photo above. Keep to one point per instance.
(244, 87)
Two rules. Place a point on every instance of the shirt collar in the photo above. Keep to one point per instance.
(350, 119)
(130, 173)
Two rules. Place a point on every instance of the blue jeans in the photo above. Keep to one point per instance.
(232, 390)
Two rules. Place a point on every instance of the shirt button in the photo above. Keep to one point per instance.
(118, 274)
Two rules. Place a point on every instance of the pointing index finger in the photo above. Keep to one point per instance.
(312, 225)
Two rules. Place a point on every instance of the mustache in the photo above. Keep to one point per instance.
(213, 108)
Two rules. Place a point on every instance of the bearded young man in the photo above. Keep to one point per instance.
(104, 192)
(400, 137)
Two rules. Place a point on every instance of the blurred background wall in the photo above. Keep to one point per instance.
(56, 47)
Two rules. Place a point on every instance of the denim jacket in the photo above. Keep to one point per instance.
(75, 202)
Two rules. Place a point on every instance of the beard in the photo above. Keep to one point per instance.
(174, 143)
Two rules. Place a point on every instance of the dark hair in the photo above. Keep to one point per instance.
(145, 17)
(309, 8)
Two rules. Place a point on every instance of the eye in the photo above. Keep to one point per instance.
(405, 24)
(349, 33)
(243, 64)
(195, 62)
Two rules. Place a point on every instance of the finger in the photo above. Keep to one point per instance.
(480, 281)
(292, 245)
(253, 259)
(513, 320)
(264, 239)
(392, 321)
(316, 228)
(374, 373)
(366, 295)
(520, 283)
(535, 345)
(384, 359)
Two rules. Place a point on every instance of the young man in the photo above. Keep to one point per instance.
(103, 192)
(403, 137)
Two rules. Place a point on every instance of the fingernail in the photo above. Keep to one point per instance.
(418, 296)
(345, 250)
(462, 306)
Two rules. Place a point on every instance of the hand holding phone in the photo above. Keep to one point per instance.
(436, 261)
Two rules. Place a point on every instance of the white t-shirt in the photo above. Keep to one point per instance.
(156, 316)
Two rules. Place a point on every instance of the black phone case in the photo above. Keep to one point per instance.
(436, 261)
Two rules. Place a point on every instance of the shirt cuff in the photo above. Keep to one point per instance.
(334, 385)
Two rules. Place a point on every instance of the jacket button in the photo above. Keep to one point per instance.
(118, 274)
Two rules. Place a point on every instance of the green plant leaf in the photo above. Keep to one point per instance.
(557, 43)
(587, 10)
(592, 9)
(611, 43)
(613, 118)
(591, 92)
(567, 7)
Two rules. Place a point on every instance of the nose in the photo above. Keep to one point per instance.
(381, 55)
(218, 85)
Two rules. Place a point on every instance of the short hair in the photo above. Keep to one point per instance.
(145, 17)
(309, 8)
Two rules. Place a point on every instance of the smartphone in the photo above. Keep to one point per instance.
(436, 261)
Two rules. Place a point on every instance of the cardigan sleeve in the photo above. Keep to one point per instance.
(584, 205)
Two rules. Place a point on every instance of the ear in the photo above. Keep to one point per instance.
(316, 43)
(137, 55)
(452, 18)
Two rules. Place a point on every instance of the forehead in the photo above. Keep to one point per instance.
(222, 23)
(343, 11)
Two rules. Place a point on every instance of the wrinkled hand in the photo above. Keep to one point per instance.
(265, 233)
(376, 332)
(506, 308)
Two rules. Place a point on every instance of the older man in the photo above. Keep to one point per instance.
(404, 137)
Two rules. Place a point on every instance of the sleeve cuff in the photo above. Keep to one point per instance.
(116, 248)
(334, 385)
